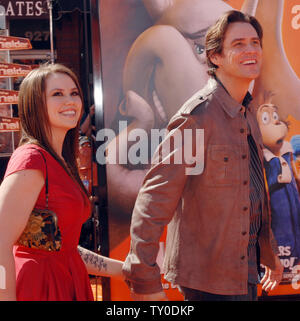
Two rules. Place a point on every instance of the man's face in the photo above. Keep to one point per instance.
(241, 56)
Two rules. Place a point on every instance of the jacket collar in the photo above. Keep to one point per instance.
(230, 106)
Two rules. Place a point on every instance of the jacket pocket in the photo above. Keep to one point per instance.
(223, 166)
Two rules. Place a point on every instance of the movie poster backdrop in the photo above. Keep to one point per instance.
(152, 61)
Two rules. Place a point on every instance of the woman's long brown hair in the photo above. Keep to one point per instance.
(34, 118)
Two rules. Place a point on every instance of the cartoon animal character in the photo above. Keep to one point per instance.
(282, 186)
(166, 65)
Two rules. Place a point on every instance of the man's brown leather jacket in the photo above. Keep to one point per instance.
(208, 214)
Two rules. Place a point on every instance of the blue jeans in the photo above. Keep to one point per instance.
(196, 295)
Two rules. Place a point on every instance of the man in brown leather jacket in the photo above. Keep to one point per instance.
(218, 220)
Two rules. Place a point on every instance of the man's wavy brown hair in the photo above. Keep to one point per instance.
(216, 33)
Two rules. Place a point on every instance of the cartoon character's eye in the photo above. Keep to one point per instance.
(265, 117)
(275, 115)
(199, 48)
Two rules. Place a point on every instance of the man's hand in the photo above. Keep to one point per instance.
(272, 278)
(158, 296)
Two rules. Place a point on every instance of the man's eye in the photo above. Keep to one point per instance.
(199, 48)
(256, 42)
(238, 44)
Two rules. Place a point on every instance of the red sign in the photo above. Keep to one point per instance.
(9, 124)
(13, 70)
(14, 43)
(8, 96)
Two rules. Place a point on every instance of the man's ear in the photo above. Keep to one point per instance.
(215, 59)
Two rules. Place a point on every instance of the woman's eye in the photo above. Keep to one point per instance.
(57, 93)
(75, 93)
(265, 118)
(199, 48)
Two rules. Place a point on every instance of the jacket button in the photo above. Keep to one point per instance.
(245, 208)
(244, 156)
(242, 130)
(245, 182)
(243, 257)
(225, 159)
(244, 233)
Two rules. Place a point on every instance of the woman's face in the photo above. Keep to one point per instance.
(63, 102)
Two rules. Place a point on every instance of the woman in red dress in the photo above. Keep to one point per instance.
(50, 107)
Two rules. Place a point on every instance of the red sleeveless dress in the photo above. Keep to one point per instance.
(53, 275)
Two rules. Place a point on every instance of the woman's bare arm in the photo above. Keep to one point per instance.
(100, 265)
(18, 194)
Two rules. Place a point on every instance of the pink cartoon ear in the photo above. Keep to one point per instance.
(157, 7)
(277, 73)
(249, 7)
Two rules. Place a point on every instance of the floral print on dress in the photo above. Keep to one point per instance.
(42, 231)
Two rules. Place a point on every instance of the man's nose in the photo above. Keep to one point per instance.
(252, 48)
